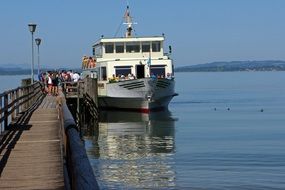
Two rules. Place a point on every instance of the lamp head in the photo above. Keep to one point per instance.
(32, 27)
(38, 41)
(170, 49)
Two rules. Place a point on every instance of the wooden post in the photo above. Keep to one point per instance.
(33, 93)
(25, 83)
(6, 98)
(20, 102)
(12, 98)
(1, 123)
(92, 89)
(28, 97)
(17, 103)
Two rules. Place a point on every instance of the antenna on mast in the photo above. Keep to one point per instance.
(129, 22)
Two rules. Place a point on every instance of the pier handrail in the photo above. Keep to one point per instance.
(72, 88)
(15, 101)
(80, 172)
(85, 90)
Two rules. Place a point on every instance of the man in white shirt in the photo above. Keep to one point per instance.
(75, 77)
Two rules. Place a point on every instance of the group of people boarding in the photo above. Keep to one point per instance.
(53, 79)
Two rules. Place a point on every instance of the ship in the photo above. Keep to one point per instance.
(133, 73)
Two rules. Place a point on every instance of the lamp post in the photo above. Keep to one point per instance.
(32, 28)
(38, 42)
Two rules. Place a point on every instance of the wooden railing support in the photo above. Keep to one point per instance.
(6, 111)
(1, 114)
(16, 100)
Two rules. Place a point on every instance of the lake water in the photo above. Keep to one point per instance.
(214, 137)
(199, 144)
(9, 82)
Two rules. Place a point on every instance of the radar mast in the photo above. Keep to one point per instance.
(129, 22)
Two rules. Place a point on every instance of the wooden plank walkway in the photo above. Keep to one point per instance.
(30, 153)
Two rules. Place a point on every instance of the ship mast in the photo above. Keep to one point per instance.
(129, 23)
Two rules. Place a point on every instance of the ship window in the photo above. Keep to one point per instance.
(103, 73)
(109, 48)
(132, 47)
(119, 47)
(155, 46)
(123, 70)
(158, 70)
(146, 47)
(93, 51)
(98, 50)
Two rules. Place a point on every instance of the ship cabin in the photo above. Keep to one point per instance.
(139, 57)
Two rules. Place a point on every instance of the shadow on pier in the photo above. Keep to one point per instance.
(14, 132)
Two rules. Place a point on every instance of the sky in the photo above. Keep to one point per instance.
(199, 31)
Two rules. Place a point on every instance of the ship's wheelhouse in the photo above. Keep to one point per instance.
(128, 47)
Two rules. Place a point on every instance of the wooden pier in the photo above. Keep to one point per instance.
(40, 146)
(31, 156)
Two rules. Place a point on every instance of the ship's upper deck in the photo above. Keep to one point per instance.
(130, 39)
(128, 47)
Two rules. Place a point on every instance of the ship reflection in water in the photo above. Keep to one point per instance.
(133, 150)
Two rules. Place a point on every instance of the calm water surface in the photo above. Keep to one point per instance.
(199, 144)
(9, 82)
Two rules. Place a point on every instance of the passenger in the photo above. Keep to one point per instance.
(82, 62)
(122, 78)
(67, 77)
(76, 77)
(71, 75)
(44, 81)
(60, 79)
(91, 62)
(54, 84)
(49, 81)
(85, 62)
(112, 79)
(168, 76)
(63, 73)
(131, 77)
(152, 76)
(40, 76)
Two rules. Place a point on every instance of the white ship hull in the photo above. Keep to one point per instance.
(142, 95)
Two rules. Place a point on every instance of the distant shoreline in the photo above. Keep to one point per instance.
(13, 74)
(177, 71)
(235, 66)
